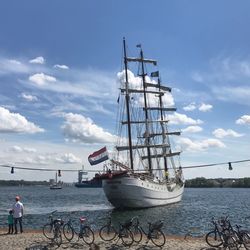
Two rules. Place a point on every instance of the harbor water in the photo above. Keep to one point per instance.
(192, 214)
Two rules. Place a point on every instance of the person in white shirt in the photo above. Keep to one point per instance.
(18, 214)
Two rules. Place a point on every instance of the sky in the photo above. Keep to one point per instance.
(59, 65)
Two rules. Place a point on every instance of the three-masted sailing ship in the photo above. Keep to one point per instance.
(144, 172)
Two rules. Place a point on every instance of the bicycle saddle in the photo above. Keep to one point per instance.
(58, 221)
(156, 225)
(127, 224)
(82, 219)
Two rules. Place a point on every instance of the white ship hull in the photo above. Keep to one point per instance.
(131, 192)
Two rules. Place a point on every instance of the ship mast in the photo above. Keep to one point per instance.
(150, 117)
(146, 112)
(127, 105)
(163, 128)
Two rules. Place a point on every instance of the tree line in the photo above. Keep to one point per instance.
(201, 182)
(22, 183)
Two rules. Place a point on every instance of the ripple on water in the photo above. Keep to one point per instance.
(194, 212)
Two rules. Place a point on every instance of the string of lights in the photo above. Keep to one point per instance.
(90, 170)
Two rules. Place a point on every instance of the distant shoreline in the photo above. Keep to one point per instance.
(199, 182)
(15, 183)
(202, 182)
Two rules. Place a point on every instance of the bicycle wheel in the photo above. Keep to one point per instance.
(213, 239)
(137, 234)
(107, 233)
(246, 240)
(68, 232)
(57, 237)
(127, 237)
(48, 231)
(158, 238)
(231, 243)
(88, 235)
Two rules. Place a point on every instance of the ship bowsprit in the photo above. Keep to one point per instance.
(132, 192)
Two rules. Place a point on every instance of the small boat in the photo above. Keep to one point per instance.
(145, 171)
(55, 184)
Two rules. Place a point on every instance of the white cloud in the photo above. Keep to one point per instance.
(178, 118)
(221, 133)
(41, 79)
(196, 76)
(68, 158)
(194, 146)
(228, 79)
(37, 60)
(47, 159)
(16, 123)
(153, 100)
(190, 107)
(205, 107)
(61, 66)
(10, 66)
(28, 97)
(135, 82)
(238, 94)
(79, 83)
(18, 149)
(79, 128)
(245, 119)
(13, 61)
(192, 129)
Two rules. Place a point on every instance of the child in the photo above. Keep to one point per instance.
(11, 222)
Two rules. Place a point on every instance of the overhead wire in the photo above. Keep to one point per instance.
(90, 170)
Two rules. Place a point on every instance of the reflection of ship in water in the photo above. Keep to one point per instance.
(95, 182)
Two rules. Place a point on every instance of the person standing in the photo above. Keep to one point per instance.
(10, 222)
(18, 214)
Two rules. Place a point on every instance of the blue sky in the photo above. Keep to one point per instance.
(58, 75)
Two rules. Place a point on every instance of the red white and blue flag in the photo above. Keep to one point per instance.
(98, 156)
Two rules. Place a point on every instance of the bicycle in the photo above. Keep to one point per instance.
(154, 232)
(109, 233)
(52, 230)
(85, 232)
(243, 237)
(222, 234)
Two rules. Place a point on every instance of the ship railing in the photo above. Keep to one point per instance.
(140, 174)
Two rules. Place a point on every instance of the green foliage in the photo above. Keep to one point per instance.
(202, 182)
(22, 183)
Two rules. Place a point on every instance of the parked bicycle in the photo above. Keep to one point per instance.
(222, 235)
(52, 230)
(85, 232)
(108, 232)
(242, 236)
(154, 232)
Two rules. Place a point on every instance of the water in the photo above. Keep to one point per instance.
(192, 214)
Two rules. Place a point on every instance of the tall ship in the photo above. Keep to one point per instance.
(145, 170)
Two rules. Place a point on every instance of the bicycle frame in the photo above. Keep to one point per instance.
(148, 234)
(123, 232)
(225, 232)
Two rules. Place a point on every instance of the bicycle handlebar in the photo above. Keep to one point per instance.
(136, 219)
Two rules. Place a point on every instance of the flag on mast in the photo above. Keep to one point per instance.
(155, 74)
(98, 156)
